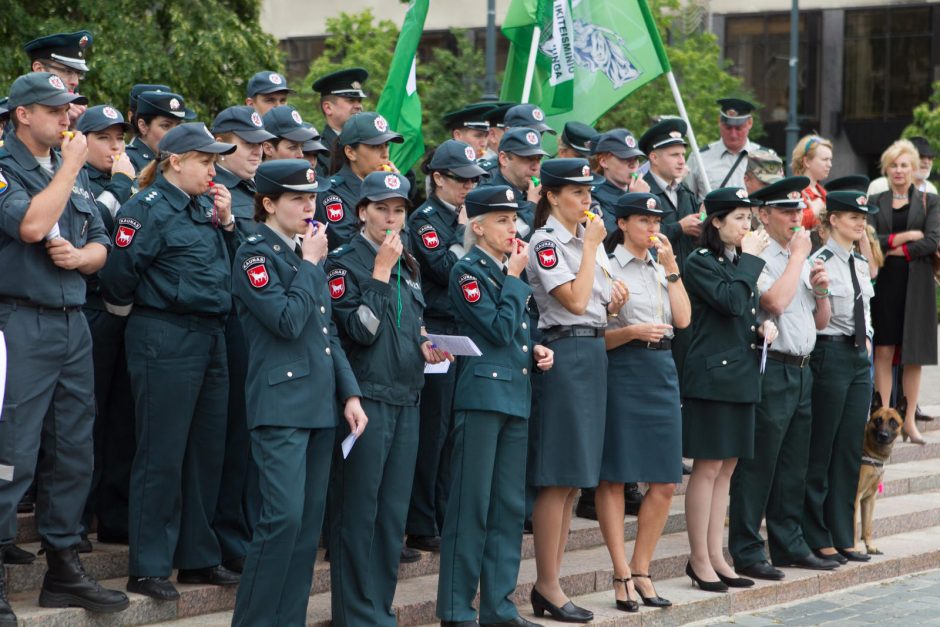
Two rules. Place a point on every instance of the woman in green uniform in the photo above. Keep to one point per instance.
(298, 383)
(572, 285)
(378, 306)
(643, 436)
(841, 384)
(157, 113)
(721, 375)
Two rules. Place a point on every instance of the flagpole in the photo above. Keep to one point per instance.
(691, 134)
(530, 68)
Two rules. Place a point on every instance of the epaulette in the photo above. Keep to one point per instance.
(546, 229)
(428, 209)
(823, 253)
(254, 238)
(859, 255)
(705, 252)
(488, 164)
(336, 179)
(705, 149)
(339, 251)
(150, 196)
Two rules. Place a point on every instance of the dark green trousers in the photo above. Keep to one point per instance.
(771, 483)
(179, 377)
(49, 398)
(293, 468)
(369, 503)
(841, 400)
(482, 538)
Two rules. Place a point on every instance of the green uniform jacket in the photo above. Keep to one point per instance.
(688, 204)
(337, 207)
(433, 229)
(168, 255)
(385, 357)
(490, 308)
(328, 138)
(110, 192)
(139, 153)
(722, 364)
(28, 271)
(297, 370)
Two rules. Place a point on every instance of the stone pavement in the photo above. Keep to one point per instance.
(912, 600)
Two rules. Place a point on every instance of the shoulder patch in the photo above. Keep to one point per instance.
(339, 251)
(3, 183)
(470, 288)
(149, 196)
(336, 179)
(337, 281)
(127, 229)
(704, 252)
(428, 209)
(547, 254)
(705, 149)
(256, 270)
(824, 253)
(429, 236)
(254, 238)
(860, 256)
(333, 207)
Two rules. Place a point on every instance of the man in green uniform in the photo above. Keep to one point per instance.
(520, 153)
(341, 98)
(50, 235)
(576, 140)
(617, 151)
(62, 54)
(267, 89)
(527, 116)
(162, 109)
(496, 118)
(469, 125)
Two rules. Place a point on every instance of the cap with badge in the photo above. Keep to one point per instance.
(666, 132)
(765, 165)
(559, 172)
(99, 118)
(848, 200)
(244, 121)
(193, 136)
(69, 49)
(346, 83)
(267, 82)
(856, 182)
(313, 145)
(724, 200)
(522, 141)
(379, 186)
(288, 175)
(42, 88)
(140, 88)
(497, 115)
(490, 198)
(456, 157)
(284, 121)
(579, 137)
(785, 194)
(368, 128)
(164, 103)
(734, 111)
(637, 204)
(527, 115)
(619, 142)
(471, 116)
(4, 110)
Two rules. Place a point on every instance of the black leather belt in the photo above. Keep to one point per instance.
(24, 302)
(791, 360)
(664, 344)
(841, 339)
(557, 332)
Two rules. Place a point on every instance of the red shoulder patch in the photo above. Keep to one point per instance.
(258, 275)
(127, 229)
(337, 282)
(429, 237)
(470, 288)
(334, 209)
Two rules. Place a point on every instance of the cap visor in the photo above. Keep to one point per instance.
(65, 98)
(313, 188)
(528, 152)
(627, 153)
(468, 171)
(384, 138)
(217, 148)
(273, 89)
(253, 137)
(544, 128)
(70, 62)
(314, 145)
(386, 196)
(349, 93)
(100, 127)
(299, 135)
(735, 121)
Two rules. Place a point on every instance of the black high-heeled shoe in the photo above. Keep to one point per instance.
(567, 613)
(629, 605)
(734, 582)
(705, 586)
(655, 600)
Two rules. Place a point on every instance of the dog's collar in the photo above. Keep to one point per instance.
(871, 461)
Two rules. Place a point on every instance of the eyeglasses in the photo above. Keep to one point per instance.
(63, 69)
(460, 179)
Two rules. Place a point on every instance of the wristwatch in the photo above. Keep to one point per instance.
(672, 278)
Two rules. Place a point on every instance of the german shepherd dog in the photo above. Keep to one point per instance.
(881, 430)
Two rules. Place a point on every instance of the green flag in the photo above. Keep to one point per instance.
(399, 103)
(591, 55)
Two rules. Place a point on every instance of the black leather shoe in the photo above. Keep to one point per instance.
(213, 575)
(585, 510)
(567, 613)
(235, 564)
(704, 586)
(735, 582)
(409, 555)
(632, 499)
(66, 584)
(686, 469)
(835, 557)
(919, 415)
(424, 543)
(158, 588)
(7, 617)
(112, 537)
(761, 570)
(459, 623)
(13, 554)
(811, 562)
(655, 600)
(84, 544)
(518, 621)
(527, 527)
(853, 556)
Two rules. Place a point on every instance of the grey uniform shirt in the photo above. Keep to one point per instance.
(841, 292)
(670, 189)
(796, 326)
(554, 259)
(718, 160)
(649, 290)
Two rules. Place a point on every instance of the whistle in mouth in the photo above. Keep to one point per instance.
(536, 181)
(68, 134)
(589, 215)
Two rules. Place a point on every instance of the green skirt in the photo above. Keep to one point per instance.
(717, 429)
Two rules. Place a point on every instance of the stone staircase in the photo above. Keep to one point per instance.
(907, 521)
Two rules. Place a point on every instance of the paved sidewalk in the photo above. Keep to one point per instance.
(913, 600)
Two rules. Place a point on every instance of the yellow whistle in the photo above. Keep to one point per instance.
(386, 168)
(589, 215)
(653, 238)
(68, 134)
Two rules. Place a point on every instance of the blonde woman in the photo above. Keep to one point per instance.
(812, 157)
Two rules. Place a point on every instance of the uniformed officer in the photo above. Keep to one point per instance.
(469, 125)
(576, 140)
(157, 113)
(771, 483)
(341, 98)
(46, 247)
(841, 383)
(171, 271)
(520, 153)
(241, 126)
(436, 229)
(527, 116)
(721, 376)
(482, 537)
(267, 89)
(725, 160)
(136, 90)
(618, 159)
(62, 54)
(495, 117)
(313, 148)
(643, 434)
(572, 285)
(299, 382)
(362, 148)
(290, 133)
(763, 168)
(377, 305)
(111, 179)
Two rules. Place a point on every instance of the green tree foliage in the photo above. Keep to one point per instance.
(927, 119)
(205, 49)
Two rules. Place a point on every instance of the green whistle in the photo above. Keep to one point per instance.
(536, 181)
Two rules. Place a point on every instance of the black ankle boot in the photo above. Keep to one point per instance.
(67, 584)
(7, 617)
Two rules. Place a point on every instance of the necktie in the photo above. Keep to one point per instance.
(858, 308)
(299, 251)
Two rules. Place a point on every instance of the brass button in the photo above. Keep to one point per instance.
(327, 350)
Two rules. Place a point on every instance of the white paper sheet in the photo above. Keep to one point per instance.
(440, 368)
(348, 444)
(763, 356)
(455, 344)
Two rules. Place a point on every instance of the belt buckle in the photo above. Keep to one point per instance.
(804, 360)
